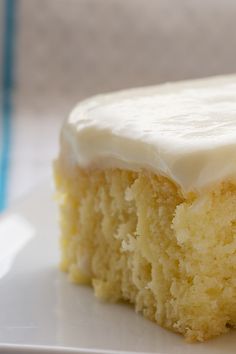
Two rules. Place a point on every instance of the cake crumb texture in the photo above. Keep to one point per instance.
(133, 236)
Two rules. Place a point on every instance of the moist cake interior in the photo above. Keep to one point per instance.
(133, 236)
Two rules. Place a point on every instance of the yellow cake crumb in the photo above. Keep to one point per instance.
(133, 236)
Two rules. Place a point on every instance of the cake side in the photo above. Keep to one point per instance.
(135, 237)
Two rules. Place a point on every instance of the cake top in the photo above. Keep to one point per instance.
(183, 130)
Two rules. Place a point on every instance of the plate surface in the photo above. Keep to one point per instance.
(41, 312)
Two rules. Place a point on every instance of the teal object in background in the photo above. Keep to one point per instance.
(7, 82)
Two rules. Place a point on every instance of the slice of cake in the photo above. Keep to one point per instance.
(146, 180)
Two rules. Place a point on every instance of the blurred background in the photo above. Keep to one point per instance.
(54, 53)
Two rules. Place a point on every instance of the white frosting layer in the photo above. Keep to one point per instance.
(185, 130)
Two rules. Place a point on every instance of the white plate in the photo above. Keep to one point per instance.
(41, 312)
